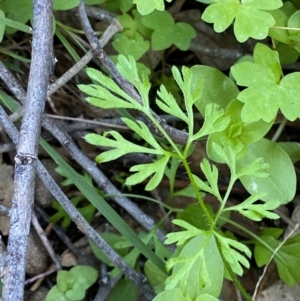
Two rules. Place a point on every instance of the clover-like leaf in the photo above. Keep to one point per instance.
(131, 43)
(85, 276)
(166, 32)
(265, 92)
(146, 7)
(234, 258)
(256, 212)
(143, 171)
(251, 19)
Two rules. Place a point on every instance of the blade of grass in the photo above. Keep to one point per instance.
(68, 46)
(108, 212)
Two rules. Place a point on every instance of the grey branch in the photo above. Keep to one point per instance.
(24, 180)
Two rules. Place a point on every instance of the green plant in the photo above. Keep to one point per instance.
(236, 122)
(87, 210)
(71, 285)
(206, 248)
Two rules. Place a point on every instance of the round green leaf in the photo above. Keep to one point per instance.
(217, 87)
(290, 102)
(281, 17)
(292, 149)
(85, 275)
(294, 22)
(65, 281)
(183, 34)
(56, 295)
(280, 185)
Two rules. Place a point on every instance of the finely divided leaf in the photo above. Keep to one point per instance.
(182, 236)
(155, 169)
(128, 68)
(120, 146)
(211, 173)
(169, 104)
(143, 131)
(213, 121)
(256, 212)
(198, 269)
(102, 97)
(234, 258)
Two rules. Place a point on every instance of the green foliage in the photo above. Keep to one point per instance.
(180, 34)
(216, 87)
(202, 250)
(124, 290)
(235, 124)
(286, 257)
(266, 92)
(87, 210)
(117, 242)
(251, 19)
(280, 184)
(138, 28)
(65, 4)
(146, 7)
(71, 285)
